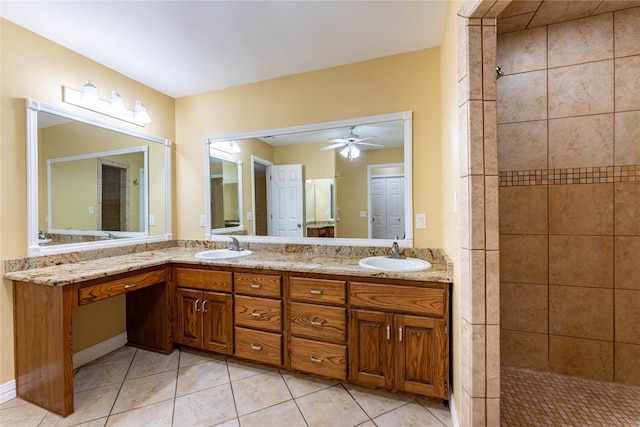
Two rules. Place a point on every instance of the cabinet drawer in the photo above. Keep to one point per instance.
(319, 322)
(260, 346)
(207, 280)
(320, 358)
(265, 285)
(319, 291)
(116, 287)
(258, 313)
(406, 299)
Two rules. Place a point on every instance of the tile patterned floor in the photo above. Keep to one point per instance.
(131, 387)
(533, 398)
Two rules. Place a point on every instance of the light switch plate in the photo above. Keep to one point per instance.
(152, 220)
(421, 221)
(363, 214)
(249, 216)
(203, 220)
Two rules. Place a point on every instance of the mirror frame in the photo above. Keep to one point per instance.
(405, 116)
(210, 152)
(33, 249)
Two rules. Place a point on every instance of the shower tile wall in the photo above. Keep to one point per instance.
(569, 170)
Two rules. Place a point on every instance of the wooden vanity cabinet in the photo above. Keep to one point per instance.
(318, 325)
(258, 317)
(398, 338)
(204, 309)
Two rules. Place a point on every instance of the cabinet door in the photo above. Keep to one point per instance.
(371, 348)
(189, 329)
(217, 322)
(421, 356)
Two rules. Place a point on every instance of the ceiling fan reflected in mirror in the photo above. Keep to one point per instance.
(349, 144)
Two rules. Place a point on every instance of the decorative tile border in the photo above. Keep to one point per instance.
(592, 175)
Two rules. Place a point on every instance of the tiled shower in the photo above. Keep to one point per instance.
(569, 175)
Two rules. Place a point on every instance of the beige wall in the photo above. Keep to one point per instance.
(450, 181)
(34, 67)
(409, 81)
(569, 233)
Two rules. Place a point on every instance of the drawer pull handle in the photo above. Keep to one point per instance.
(254, 314)
(255, 286)
(316, 322)
(204, 303)
(388, 332)
(130, 285)
(400, 334)
(195, 305)
(316, 360)
(256, 347)
(315, 291)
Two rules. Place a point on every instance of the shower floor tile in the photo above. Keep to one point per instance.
(533, 398)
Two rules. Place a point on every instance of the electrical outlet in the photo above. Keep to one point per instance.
(90, 209)
(152, 220)
(421, 221)
(363, 214)
(203, 220)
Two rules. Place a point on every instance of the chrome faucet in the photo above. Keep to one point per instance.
(109, 236)
(234, 245)
(42, 234)
(395, 252)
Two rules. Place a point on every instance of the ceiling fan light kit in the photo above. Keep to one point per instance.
(350, 143)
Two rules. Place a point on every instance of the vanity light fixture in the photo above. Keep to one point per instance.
(350, 152)
(229, 147)
(90, 100)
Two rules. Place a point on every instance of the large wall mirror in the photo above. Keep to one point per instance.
(349, 180)
(91, 184)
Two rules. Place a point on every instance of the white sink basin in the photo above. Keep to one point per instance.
(220, 254)
(405, 265)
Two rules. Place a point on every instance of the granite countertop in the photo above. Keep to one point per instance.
(304, 261)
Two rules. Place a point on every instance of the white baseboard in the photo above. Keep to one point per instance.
(7, 391)
(98, 350)
(452, 409)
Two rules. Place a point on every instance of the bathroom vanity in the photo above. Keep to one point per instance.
(313, 313)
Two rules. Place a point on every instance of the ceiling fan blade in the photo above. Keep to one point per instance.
(342, 140)
(332, 146)
(368, 143)
(364, 139)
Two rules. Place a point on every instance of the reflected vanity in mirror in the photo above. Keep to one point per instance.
(348, 179)
(91, 184)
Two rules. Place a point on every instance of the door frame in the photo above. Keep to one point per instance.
(257, 160)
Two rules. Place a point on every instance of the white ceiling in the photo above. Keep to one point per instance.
(181, 48)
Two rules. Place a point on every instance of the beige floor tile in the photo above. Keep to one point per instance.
(440, 411)
(301, 385)
(147, 363)
(260, 391)
(145, 391)
(101, 374)
(202, 376)
(89, 405)
(16, 401)
(285, 413)
(333, 407)
(156, 415)
(409, 415)
(94, 423)
(367, 424)
(21, 414)
(190, 357)
(239, 369)
(231, 423)
(205, 408)
(376, 402)
(123, 353)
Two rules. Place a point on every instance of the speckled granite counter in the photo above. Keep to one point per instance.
(60, 270)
